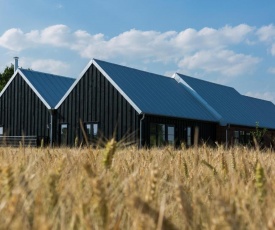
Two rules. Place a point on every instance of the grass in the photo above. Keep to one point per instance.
(112, 188)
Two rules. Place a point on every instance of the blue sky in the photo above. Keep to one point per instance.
(227, 42)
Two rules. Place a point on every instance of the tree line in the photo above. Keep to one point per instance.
(5, 76)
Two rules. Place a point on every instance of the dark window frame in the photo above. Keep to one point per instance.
(241, 137)
(168, 135)
(189, 136)
(236, 137)
(61, 134)
(159, 136)
(2, 129)
(92, 135)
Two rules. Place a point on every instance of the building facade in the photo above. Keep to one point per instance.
(133, 106)
(109, 100)
(27, 104)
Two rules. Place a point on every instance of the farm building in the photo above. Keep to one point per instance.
(27, 106)
(237, 115)
(109, 100)
(134, 105)
(154, 110)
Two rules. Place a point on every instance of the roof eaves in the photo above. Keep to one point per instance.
(117, 87)
(179, 117)
(34, 89)
(199, 98)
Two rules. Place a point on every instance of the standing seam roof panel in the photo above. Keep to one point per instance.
(156, 94)
(234, 108)
(50, 87)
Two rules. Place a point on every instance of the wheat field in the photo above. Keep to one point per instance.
(130, 188)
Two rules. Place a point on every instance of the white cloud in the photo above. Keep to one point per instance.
(207, 49)
(269, 96)
(273, 49)
(14, 40)
(46, 65)
(57, 35)
(266, 33)
(206, 38)
(225, 62)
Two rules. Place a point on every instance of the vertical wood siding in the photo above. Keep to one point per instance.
(94, 99)
(22, 112)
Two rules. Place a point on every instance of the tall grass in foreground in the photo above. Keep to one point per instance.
(201, 188)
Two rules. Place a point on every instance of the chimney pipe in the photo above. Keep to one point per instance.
(15, 63)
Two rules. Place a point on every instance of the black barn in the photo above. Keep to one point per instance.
(27, 103)
(137, 106)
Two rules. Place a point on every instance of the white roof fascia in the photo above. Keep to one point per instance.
(35, 91)
(108, 78)
(9, 82)
(28, 82)
(198, 97)
(74, 84)
(118, 88)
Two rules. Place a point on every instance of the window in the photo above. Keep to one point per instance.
(1, 130)
(91, 130)
(248, 138)
(161, 134)
(242, 137)
(236, 137)
(153, 135)
(95, 129)
(171, 135)
(63, 134)
(189, 137)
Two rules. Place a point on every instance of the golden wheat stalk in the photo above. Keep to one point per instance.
(260, 181)
(152, 184)
(109, 153)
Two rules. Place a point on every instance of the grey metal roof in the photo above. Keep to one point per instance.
(232, 106)
(261, 111)
(49, 88)
(154, 94)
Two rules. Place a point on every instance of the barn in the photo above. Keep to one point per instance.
(27, 106)
(109, 100)
(239, 115)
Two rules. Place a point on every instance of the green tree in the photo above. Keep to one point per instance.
(5, 76)
(258, 135)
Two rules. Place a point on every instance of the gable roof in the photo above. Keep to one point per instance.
(150, 93)
(49, 88)
(234, 108)
(262, 111)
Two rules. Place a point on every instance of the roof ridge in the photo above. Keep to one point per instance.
(198, 97)
(56, 75)
(132, 68)
(260, 99)
(210, 82)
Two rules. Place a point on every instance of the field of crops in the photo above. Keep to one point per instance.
(129, 188)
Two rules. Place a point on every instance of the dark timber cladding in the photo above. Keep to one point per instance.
(207, 130)
(22, 112)
(95, 100)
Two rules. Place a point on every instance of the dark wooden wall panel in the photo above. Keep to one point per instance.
(207, 130)
(22, 112)
(94, 99)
